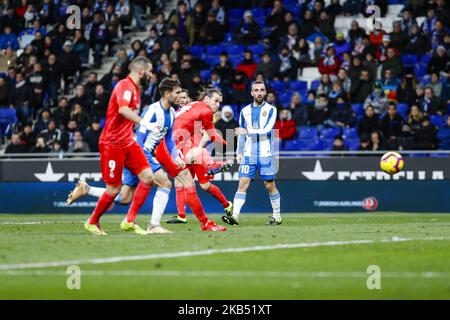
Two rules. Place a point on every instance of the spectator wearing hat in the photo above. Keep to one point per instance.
(329, 64)
(247, 31)
(286, 126)
(184, 23)
(227, 122)
(212, 31)
(439, 61)
(381, 53)
(70, 64)
(341, 45)
(377, 99)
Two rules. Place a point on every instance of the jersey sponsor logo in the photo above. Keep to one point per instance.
(127, 95)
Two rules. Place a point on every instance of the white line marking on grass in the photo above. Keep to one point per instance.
(205, 252)
(236, 274)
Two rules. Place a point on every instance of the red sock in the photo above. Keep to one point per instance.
(103, 204)
(216, 193)
(181, 201)
(194, 203)
(140, 195)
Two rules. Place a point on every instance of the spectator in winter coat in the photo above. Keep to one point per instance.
(430, 104)
(341, 46)
(267, 67)
(377, 99)
(227, 122)
(248, 31)
(9, 39)
(369, 123)
(286, 125)
(329, 64)
(425, 138)
(340, 114)
(248, 65)
(392, 123)
(361, 88)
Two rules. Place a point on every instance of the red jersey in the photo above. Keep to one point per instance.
(190, 119)
(118, 130)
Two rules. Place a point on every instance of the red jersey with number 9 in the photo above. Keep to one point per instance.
(118, 130)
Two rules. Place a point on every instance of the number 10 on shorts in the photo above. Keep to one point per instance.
(245, 169)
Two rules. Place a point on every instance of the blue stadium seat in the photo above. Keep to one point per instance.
(212, 60)
(196, 51)
(315, 84)
(443, 134)
(326, 144)
(298, 85)
(213, 50)
(307, 132)
(278, 85)
(350, 133)
(285, 98)
(402, 108)
(237, 13)
(329, 133)
(257, 49)
(311, 145)
(425, 59)
(8, 119)
(234, 50)
(205, 74)
(292, 145)
(410, 60)
(102, 122)
(420, 71)
(235, 60)
(229, 37)
(437, 120)
(358, 108)
(352, 144)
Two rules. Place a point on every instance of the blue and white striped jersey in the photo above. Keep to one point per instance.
(259, 122)
(155, 113)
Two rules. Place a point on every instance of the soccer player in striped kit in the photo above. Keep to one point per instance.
(255, 152)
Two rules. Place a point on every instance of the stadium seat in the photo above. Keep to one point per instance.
(437, 120)
(420, 71)
(235, 50)
(205, 74)
(8, 119)
(292, 145)
(213, 50)
(350, 133)
(235, 60)
(410, 60)
(402, 108)
(278, 85)
(307, 132)
(329, 133)
(326, 144)
(285, 98)
(298, 85)
(196, 51)
(212, 61)
(25, 40)
(358, 108)
(257, 49)
(311, 145)
(314, 85)
(352, 144)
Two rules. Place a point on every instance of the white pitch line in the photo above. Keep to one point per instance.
(235, 274)
(37, 265)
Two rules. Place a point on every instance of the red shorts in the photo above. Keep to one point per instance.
(163, 156)
(201, 173)
(114, 159)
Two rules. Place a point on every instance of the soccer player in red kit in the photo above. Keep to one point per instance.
(191, 121)
(118, 149)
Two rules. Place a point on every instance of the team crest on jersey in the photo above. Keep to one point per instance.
(264, 114)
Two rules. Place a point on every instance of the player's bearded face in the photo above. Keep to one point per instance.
(145, 79)
(174, 97)
(259, 94)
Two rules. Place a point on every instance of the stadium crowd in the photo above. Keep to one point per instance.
(376, 91)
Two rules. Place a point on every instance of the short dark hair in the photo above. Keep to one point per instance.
(257, 82)
(168, 85)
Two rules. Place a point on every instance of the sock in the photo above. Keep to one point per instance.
(159, 205)
(194, 203)
(96, 192)
(216, 193)
(103, 204)
(181, 201)
(140, 195)
(238, 202)
(275, 200)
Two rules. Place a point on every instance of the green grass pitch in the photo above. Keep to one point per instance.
(324, 259)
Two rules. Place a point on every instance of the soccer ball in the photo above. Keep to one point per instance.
(392, 162)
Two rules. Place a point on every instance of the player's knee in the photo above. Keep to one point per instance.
(113, 190)
(270, 186)
(148, 178)
(167, 184)
(205, 186)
